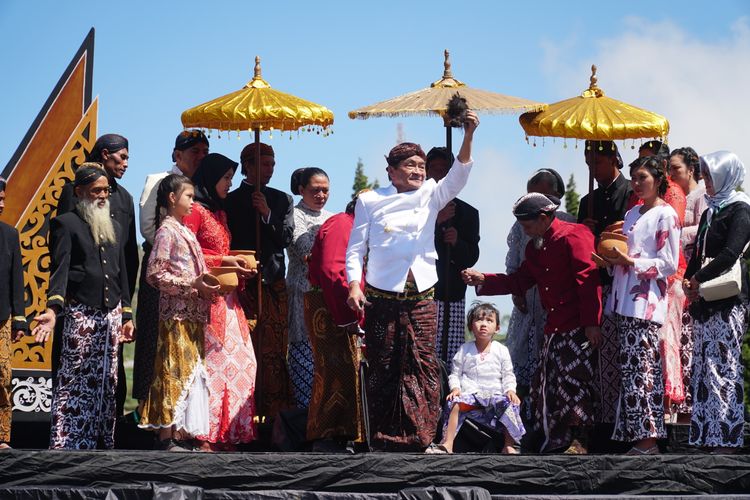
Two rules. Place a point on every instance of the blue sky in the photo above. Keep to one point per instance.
(155, 59)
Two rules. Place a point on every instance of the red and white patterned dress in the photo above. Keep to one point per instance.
(230, 358)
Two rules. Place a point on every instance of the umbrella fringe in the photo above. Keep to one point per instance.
(364, 115)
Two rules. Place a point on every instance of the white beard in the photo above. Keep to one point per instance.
(99, 220)
(538, 242)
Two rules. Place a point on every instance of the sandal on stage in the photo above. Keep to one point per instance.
(436, 449)
(654, 450)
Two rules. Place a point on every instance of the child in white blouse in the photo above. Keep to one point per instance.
(482, 383)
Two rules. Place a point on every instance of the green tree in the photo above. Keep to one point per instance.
(572, 198)
(361, 181)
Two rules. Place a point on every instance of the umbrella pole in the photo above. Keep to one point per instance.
(590, 207)
(446, 269)
(259, 278)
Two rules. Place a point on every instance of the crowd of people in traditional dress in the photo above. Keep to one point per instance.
(624, 339)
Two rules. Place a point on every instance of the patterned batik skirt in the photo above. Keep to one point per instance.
(273, 391)
(301, 368)
(493, 410)
(335, 410)
(83, 399)
(456, 329)
(718, 419)
(230, 369)
(179, 393)
(640, 408)
(403, 388)
(669, 343)
(562, 391)
(686, 358)
(6, 405)
(607, 380)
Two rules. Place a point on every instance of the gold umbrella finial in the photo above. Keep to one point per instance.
(257, 82)
(593, 90)
(447, 80)
(447, 73)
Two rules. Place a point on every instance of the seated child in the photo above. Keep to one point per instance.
(482, 383)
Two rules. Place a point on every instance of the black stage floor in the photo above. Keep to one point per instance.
(151, 474)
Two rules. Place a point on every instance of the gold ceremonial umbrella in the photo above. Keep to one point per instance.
(433, 101)
(594, 116)
(258, 107)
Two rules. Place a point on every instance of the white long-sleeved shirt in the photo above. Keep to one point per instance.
(397, 232)
(474, 375)
(147, 212)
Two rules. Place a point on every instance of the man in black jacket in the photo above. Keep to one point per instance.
(12, 314)
(89, 288)
(457, 244)
(273, 392)
(111, 151)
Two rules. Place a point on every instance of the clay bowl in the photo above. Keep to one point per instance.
(609, 241)
(248, 256)
(227, 278)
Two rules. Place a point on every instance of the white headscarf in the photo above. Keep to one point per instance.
(727, 173)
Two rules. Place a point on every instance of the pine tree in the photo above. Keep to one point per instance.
(572, 198)
(361, 181)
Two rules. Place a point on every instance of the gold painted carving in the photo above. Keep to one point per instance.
(33, 229)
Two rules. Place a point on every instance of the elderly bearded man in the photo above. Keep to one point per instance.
(558, 261)
(89, 288)
(394, 227)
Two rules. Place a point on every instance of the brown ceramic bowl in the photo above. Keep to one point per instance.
(227, 278)
(609, 241)
(248, 256)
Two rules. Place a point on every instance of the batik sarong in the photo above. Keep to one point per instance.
(686, 357)
(718, 418)
(456, 329)
(230, 370)
(669, 343)
(273, 391)
(640, 408)
(301, 368)
(562, 391)
(83, 398)
(179, 395)
(607, 379)
(495, 411)
(6, 405)
(335, 410)
(403, 388)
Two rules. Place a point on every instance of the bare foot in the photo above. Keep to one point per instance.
(509, 450)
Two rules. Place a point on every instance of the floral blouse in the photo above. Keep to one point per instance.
(640, 290)
(176, 261)
(306, 225)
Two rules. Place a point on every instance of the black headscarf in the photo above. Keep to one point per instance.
(212, 168)
(110, 142)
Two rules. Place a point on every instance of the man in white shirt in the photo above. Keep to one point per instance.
(394, 227)
(190, 147)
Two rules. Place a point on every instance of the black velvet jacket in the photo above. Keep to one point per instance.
(11, 279)
(726, 238)
(123, 211)
(450, 287)
(275, 236)
(83, 272)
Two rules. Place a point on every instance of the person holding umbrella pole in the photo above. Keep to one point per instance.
(394, 227)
